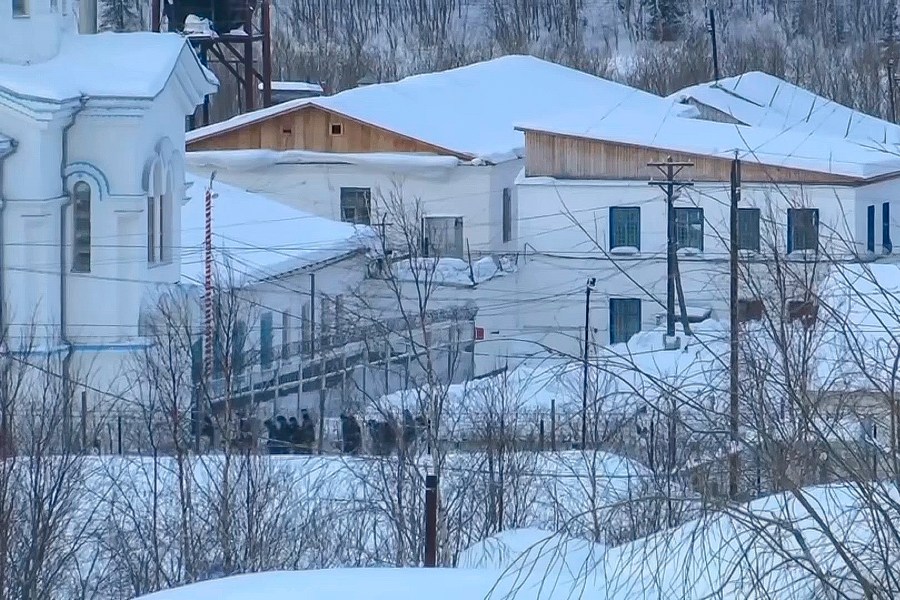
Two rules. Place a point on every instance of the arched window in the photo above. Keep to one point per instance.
(159, 199)
(81, 228)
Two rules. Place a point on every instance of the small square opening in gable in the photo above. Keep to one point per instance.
(337, 129)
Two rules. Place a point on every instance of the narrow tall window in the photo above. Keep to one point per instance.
(625, 227)
(507, 215)
(886, 245)
(161, 240)
(151, 229)
(356, 204)
(20, 8)
(748, 229)
(624, 319)
(870, 228)
(689, 228)
(81, 230)
(238, 349)
(287, 335)
(266, 349)
(803, 229)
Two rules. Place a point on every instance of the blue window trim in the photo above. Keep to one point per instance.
(619, 212)
(627, 304)
(887, 245)
(870, 228)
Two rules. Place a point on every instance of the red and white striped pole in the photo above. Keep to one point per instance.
(208, 288)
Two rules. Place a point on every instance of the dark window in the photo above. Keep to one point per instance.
(507, 214)
(81, 258)
(356, 204)
(266, 349)
(689, 228)
(886, 245)
(197, 360)
(750, 310)
(748, 229)
(624, 319)
(151, 229)
(803, 229)
(238, 347)
(20, 8)
(625, 227)
(805, 311)
(870, 228)
(337, 129)
(442, 236)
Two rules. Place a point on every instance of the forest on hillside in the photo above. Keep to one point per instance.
(837, 48)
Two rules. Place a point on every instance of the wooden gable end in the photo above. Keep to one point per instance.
(318, 130)
(570, 157)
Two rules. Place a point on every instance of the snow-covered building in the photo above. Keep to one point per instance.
(586, 211)
(289, 284)
(443, 140)
(92, 140)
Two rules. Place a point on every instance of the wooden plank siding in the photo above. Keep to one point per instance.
(310, 128)
(570, 157)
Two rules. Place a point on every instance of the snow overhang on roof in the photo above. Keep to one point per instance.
(126, 66)
(469, 111)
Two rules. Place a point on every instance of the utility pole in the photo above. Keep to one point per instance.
(671, 185)
(711, 28)
(208, 312)
(431, 506)
(587, 337)
(734, 460)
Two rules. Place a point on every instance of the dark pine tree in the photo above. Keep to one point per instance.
(120, 15)
(663, 18)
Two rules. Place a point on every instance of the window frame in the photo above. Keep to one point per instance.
(266, 340)
(887, 246)
(750, 309)
(741, 229)
(792, 235)
(870, 228)
(506, 216)
(615, 230)
(81, 247)
(685, 226)
(445, 250)
(622, 308)
(346, 193)
(21, 9)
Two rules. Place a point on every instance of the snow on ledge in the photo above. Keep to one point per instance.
(624, 251)
(452, 271)
(252, 160)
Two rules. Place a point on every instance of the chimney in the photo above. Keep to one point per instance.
(87, 16)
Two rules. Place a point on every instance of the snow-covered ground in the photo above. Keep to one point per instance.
(803, 546)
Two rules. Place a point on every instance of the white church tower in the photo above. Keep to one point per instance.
(91, 178)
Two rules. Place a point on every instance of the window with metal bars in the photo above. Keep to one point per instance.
(625, 227)
(689, 228)
(81, 228)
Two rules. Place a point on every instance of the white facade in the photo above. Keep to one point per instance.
(442, 188)
(106, 142)
(559, 255)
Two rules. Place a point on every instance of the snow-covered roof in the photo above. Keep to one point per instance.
(470, 110)
(110, 65)
(763, 100)
(772, 147)
(257, 237)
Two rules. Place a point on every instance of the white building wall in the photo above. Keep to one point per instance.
(472, 192)
(560, 255)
